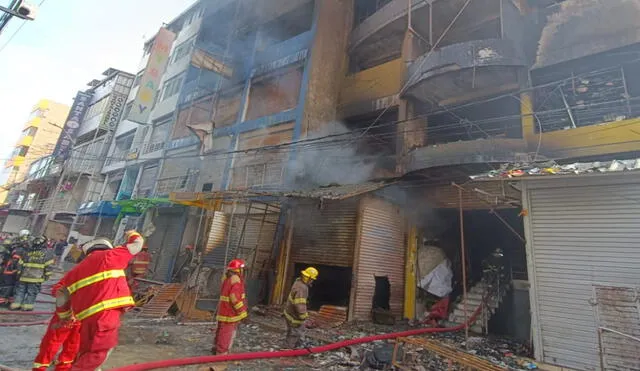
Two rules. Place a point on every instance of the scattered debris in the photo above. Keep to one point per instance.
(159, 305)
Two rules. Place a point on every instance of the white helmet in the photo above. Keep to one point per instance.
(97, 244)
(24, 233)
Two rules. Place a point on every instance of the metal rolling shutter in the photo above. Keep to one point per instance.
(241, 247)
(164, 243)
(324, 236)
(381, 253)
(581, 236)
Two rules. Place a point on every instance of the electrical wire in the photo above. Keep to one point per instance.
(17, 30)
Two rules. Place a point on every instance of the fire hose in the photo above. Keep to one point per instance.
(31, 323)
(295, 352)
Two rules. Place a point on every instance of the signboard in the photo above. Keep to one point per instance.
(72, 125)
(152, 76)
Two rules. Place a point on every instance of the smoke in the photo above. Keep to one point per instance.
(331, 161)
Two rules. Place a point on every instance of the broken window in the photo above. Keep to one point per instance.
(275, 93)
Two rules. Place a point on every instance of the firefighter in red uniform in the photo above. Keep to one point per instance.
(96, 292)
(139, 267)
(232, 307)
(65, 334)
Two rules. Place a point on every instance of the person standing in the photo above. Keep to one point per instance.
(35, 268)
(295, 311)
(9, 272)
(60, 333)
(232, 307)
(139, 267)
(96, 292)
(58, 249)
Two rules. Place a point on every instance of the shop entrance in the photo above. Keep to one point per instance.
(333, 286)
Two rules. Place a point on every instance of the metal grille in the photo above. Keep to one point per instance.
(582, 233)
(618, 314)
(183, 183)
(164, 244)
(381, 253)
(160, 304)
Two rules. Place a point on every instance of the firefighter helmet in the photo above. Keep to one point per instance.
(97, 244)
(24, 233)
(310, 272)
(7, 242)
(235, 265)
(39, 242)
(134, 241)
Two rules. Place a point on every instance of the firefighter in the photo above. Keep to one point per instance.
(35, 268)
(65, 334)
(96, 292)
(295, 311)
(139, 267)
(232, 307)
(9, 272)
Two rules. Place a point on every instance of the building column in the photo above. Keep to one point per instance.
(411, 131)
(528, 121)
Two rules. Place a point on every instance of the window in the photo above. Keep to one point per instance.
(136, 82)
(29, 132)
(172, 87)
(124, 142)
(97, 108)
(182, 50)
(20, 151)
(127, 110)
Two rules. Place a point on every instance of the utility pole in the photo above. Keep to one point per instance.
(18, 9)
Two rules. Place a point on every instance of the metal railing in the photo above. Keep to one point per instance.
(182, 183)
(259, 175)
(152, 147)
(65, 203)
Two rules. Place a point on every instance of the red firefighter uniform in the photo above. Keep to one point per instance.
(139, 267)
(232, 307)
(96, 293)
(65, 334)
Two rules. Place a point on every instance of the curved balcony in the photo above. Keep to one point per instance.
(465, 71)
(479, 151)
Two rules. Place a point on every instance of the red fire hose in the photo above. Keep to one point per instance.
(17, 313)
(18, 324)
(289, 353)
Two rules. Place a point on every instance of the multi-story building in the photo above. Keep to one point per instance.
(63, 180)
(282, 120)
(38, 138)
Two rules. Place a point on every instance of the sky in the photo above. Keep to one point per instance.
(70, 43)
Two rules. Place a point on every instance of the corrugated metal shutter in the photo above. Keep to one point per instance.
(580, 235)
(164, 243)
(256, 239)
(381, 253)
(324, 236)
(147, 180)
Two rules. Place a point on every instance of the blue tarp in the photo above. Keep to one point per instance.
(99, 208)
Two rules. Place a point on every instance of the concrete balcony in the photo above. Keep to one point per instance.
(34, 122)
(498, 150)
(25, 141)
(65, 204)
(469, 70)
(14, 161)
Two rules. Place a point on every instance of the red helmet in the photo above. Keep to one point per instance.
(236, 265)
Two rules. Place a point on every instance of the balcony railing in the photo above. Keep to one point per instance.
(259, 175)
(60, 204)
(183, 183)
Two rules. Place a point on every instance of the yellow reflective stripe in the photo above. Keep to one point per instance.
(33, 265)
(64, 315)
(116, 273)
(143, 262)
(298, 301)
(291, 319)
(64, 362)
(31, 280)
(227, 300)
(238, 305)
(38, 365)
(304, 315)
(104, 305)
(237, 318)
(49, 262)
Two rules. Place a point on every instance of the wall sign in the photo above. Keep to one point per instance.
(152, 76)
(72, 125)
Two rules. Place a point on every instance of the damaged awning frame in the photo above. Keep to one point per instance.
(215, 200)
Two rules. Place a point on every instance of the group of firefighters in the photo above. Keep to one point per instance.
(91, 297)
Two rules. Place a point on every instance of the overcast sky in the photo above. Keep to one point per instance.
(70, 43)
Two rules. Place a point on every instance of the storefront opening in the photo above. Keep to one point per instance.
(333, 286)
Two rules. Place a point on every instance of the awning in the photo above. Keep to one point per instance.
(213, 200)
(100, 208)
